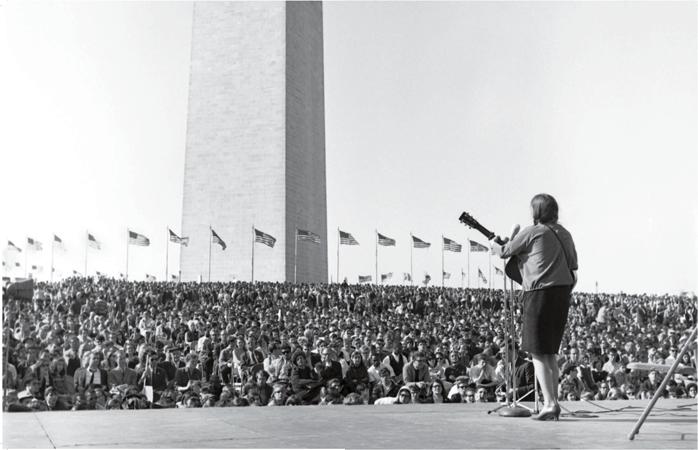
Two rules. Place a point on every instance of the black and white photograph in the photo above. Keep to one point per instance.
(485, 211)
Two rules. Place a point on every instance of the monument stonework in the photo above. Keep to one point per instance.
(255, 146)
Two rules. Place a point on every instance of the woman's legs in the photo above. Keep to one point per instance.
(546, 377)
(555, 369)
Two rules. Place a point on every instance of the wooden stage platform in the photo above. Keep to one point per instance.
(672, 425)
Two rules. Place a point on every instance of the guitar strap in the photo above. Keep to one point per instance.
(564, 250)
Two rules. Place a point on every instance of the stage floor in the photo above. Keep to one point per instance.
(672, 425)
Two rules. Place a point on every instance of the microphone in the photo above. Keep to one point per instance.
(514, 231)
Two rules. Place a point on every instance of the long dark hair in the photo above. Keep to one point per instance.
(544, 208)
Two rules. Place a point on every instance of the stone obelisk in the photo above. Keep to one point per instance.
(255, 146)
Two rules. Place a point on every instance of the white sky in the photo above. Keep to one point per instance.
(431, 109)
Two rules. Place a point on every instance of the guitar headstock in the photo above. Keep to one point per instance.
(468, 220)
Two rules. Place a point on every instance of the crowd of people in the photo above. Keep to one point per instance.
(99, 343)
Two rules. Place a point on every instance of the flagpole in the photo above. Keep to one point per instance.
(25, 258)
(210, 241)
(167, 254)
(53, 245)
(295, 256)
(87, 232)
(376, 256)
(489, 284)
(338, 244)
(253, 238)
(412, 245)
(469, 250)
(504, 277)
(128, 235)
(442, 260)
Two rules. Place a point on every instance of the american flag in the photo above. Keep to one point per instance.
(347, 239)
(479, 273)
(498, 271)
(364, 279)
(138, 239)
(427, 279)
(178, 240)
(122, 276)
(76, 273)
(264, 238)
(98, 273)
(386, 276)
(447, 275)
(92, 242)
(217, 239)
(382, 240)
(16, 264)
(58, 243)
(36, 245)
(462, 273)
(475, 247)
(452, 246)
(11, 246)
(149, 277)
(308, 236)
(174, 277)
(406, 276)
(418, 243)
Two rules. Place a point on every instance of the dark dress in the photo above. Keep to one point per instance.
(544, 319)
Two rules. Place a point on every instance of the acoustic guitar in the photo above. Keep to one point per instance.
(512, 266)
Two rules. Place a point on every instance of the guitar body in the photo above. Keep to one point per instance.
(512, 270)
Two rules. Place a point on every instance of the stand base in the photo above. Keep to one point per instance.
(515, 411)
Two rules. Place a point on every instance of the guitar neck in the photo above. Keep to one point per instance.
(488, 234)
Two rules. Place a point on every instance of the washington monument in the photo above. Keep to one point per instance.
(255, 146)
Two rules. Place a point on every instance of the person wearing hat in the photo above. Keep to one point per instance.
(465, 392)
(305, 382)
(652, 382)
(403, 396)
(173, 361)
(32, 390)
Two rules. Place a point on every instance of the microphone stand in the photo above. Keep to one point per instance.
(513, 407)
